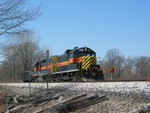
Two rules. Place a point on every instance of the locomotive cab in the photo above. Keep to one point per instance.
(86, 63)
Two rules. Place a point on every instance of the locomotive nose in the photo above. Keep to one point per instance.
(88, 61)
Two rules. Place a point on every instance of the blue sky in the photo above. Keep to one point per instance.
(98, 24)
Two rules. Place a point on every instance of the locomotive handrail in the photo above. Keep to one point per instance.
(65, 71)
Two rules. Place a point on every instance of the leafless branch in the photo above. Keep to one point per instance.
(13, 14)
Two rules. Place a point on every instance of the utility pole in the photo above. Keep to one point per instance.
(47, 56)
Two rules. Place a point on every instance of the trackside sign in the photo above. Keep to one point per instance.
(111, 69)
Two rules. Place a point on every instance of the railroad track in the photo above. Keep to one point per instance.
(87, 81)
(96, 81)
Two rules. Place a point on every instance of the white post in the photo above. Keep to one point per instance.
(29, 88)
(111, 75)
(47, 73)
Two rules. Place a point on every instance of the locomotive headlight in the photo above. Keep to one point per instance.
(85, 49)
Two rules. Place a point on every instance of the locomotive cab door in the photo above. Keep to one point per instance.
(72, 57)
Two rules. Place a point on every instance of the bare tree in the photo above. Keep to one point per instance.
(26, 48)
(142, 67)
(13, 14)
(129, 69)
(22, 51)
(113, 58)
(9, 54)
(5, 71)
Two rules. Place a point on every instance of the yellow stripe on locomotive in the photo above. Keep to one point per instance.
(54, 63)
(88, 61)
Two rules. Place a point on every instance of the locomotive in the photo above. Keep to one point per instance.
(78, 64)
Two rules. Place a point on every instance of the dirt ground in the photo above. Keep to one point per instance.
(4, 93)
(116, 103)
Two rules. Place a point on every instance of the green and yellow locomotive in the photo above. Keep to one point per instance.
(78, 64)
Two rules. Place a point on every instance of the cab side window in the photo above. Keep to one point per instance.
(75, 55)
(71, 55)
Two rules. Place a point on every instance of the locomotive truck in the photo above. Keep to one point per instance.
(78, 64)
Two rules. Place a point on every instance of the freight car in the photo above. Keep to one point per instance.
(78, 64)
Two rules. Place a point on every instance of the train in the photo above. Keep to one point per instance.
(77, 64)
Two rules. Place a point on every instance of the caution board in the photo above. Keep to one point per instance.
(111, 69)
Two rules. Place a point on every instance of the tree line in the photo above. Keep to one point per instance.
(131, 68)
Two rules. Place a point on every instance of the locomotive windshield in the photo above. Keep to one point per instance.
(81, 54)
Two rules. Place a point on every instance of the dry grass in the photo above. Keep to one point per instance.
(3, 101)
(4, 93)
